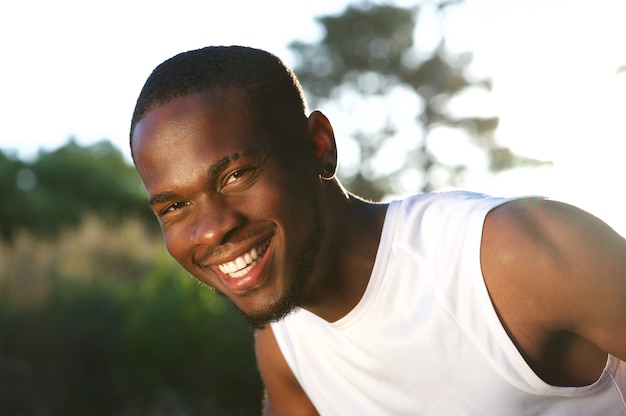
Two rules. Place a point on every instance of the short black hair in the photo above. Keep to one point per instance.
(270, 84)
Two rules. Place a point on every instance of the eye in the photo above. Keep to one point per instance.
(236, 176)
(174, 207)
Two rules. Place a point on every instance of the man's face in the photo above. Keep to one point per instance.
(235, 213)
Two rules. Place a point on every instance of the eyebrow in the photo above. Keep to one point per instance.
(162, 197)
(214, 169)
(223, 163)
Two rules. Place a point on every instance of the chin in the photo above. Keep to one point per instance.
(270, 313)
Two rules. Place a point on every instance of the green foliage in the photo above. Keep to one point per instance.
(202, 350)
(160, 345)
(101, 321)
(95, 317)
(59, 187)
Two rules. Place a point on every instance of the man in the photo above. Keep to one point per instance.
(441, 304)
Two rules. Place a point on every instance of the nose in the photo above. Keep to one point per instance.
(212, 221)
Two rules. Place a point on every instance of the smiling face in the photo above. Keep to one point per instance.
(237, 205)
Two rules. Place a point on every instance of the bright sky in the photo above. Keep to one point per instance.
(74, 68)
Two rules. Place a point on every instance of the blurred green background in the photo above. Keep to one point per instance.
(95, 318)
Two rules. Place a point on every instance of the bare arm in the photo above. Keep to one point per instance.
(283, 394)
(557, 277)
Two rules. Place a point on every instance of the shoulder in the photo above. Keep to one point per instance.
(283, 393)
(546, 248)
(551, 270)
(550, 235)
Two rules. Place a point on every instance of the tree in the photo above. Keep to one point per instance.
(61, 186)
(367, 51)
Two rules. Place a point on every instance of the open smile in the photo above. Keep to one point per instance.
(240, 266)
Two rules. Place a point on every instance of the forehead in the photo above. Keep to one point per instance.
(193, 130)
(225, 104)
(219, 114)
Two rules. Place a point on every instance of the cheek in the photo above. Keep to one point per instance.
(292, 209)
(281, 200)
(176, 244)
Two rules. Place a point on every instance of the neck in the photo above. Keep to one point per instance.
(353, 230)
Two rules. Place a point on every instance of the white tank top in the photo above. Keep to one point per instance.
(425, 338)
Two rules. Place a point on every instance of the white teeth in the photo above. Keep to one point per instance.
(242, 264)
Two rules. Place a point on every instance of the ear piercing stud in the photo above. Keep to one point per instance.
(328, 170)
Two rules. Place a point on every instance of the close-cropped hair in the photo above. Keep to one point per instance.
(271, 86)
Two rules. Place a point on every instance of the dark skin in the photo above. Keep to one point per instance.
(556, 275)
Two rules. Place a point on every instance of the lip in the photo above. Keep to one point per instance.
(253, 278)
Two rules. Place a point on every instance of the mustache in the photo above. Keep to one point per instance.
(229, 240)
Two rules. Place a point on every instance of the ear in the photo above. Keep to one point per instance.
(323, 137)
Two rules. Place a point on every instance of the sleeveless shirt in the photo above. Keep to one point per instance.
(425, 339)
